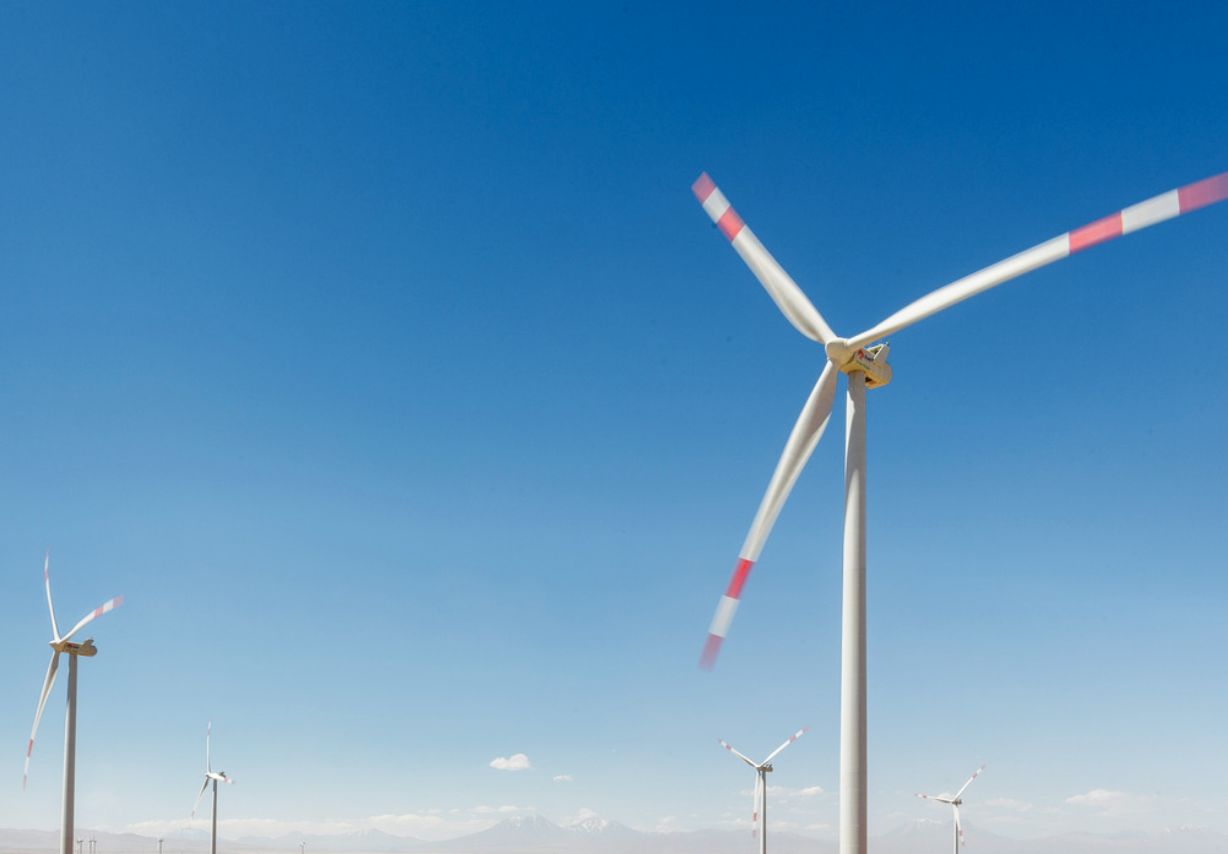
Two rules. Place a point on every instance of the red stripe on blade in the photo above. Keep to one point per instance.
(736, 583)
(29, 748)
(711, 647)
(703, 187)
(1095, 232)
(1208, 191)
(730, 223)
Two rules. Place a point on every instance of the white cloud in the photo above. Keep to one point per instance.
(787, 793)
(515, 762)
(1107, 802)
(563, 778)
(433, 824)
(1097, 798)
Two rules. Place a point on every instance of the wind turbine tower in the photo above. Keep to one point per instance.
(955, 801)
(758, 816)
(214, 777)
(62, 645)
(864, 363)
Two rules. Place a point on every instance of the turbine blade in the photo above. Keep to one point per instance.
(969, 783)
(200, 795)
(934, 798)
(790, 740)
(959, 828)
(1157, 209)
(734, 751)
(802, 440)
(208, 739)
(757, 806)
(779, 285)
(55, 630)
(48, 681)
(109, 605)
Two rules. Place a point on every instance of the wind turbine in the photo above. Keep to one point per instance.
(62, 645)
(215, 777)
(759, 810)
(955, 801)
(866, 368)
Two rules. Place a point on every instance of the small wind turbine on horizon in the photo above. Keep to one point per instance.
(215, 777)
(758, 814)
(864, 363)
(62, 645)
(955, 800)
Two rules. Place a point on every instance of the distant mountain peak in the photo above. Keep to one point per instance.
(590, 824)
(532, 821)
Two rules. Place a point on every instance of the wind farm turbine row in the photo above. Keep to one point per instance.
(758, 818)
(63, 645)
(863, 360)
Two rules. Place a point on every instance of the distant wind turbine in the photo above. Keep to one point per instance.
(758, 814)
(215, 777)
(955, 801)
(61, 645)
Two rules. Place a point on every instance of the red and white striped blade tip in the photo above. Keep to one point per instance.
(726, 607)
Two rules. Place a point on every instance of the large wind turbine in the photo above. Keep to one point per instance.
(866, 367)
(955, 800)
(62, 645)
(215, 777)
(759, 810)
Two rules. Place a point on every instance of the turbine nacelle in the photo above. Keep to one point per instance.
(871, 361)
(85, 648)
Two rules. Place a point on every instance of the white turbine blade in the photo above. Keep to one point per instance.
(802, 440)
(934, 798)
(791, 739)
(200, 795)
(208, 738)
(109, 605)
(779, 285)
(969, 783)
(48, 681)
(757, 806)
(735, 752)
(958, 827)
(55, 630)
(1154, 210)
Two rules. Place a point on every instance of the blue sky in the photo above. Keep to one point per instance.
(381, 356)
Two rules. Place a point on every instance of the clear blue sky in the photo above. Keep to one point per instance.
(381, 356)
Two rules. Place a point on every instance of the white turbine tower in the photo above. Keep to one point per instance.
(866, 367)
(215, 777)
(758, 814)
(955, 800)
(61, 645)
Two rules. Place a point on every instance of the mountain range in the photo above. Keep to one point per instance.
(533, 834)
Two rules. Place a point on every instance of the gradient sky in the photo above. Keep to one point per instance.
(380, 355)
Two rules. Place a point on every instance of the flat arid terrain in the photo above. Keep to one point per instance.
(537, 835)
